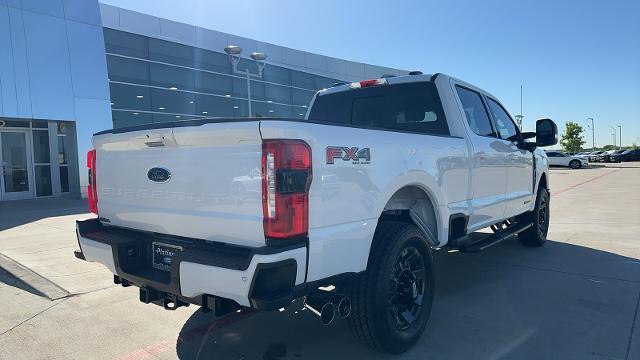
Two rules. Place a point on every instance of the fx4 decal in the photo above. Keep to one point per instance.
(354, 154)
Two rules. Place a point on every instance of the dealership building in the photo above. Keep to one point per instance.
(70, 68)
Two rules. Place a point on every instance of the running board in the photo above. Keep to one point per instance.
(476, 242)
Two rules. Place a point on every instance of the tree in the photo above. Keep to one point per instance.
(572, 140)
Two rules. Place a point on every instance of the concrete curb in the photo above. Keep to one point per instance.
(32, 279)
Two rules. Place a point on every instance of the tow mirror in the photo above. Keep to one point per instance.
(546, 132)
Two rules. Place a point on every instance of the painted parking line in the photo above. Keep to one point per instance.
(582, 183)
(202, 330)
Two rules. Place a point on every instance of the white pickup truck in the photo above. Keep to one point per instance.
(343, 208)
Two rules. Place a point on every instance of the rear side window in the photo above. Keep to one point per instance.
(413, 107)
(475, 112)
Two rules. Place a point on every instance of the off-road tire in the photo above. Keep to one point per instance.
(536, 235)
(375, 294)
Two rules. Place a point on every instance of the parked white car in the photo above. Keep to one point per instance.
(557, 158)
(256, 212)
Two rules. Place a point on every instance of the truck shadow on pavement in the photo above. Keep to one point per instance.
(558, 301)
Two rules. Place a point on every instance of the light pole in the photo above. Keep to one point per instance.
(519, 119)
(620, 134)
(614, 135)
(234, 56)
(593, 135)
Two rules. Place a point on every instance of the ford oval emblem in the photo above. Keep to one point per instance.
(158, 174)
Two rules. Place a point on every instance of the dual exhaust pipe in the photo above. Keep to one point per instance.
(326, 305)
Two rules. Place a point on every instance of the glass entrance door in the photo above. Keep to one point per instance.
(15, 160)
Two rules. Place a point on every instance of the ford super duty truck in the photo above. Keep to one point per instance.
(342, 208)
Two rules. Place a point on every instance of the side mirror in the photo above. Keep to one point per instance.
(546, 132)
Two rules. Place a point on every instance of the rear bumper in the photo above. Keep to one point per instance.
(263, 278)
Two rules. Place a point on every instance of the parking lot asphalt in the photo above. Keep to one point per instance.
(576, 297)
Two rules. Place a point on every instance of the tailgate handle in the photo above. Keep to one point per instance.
(154, 143)
(155, 140)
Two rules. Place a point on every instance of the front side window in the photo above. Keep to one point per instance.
(475, 112)
(505, 126)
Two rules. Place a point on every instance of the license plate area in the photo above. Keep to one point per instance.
(163, 254)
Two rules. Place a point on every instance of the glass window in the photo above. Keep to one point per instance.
(276, 74)
(212, 61)
(130, 118)
(302, 80)
(14, 156)
(14, 123)
(124, 43)
(64, 179)
(278, 110)
(412, 107)
(128, 70)
(332, 109)
(277, 93)
(215, 84)
(301, 97)
(62, 150)
(215, 106)
(41, 146)
(257, 90)
(324, 83)
(43, 180)
(240, 88)
(171, 76)
(170, 52)
(505, 126)
(39, 124)
(172, 101)
(475, 112)
(130, 97)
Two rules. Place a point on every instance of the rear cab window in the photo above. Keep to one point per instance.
(411, 107)
(475, 112)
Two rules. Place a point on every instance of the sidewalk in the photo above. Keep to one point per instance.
(39, 235)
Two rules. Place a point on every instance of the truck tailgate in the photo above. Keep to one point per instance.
(199, 182)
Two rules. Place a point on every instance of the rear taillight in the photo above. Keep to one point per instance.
(286, 177)
(93, 189)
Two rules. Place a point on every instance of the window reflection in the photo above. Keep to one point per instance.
(153, 80)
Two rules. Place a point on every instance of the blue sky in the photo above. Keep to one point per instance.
(575, 59)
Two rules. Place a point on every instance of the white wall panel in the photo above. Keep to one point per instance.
(337, 66)
(87, 60)
(178, 32)
(20, 69)
(85, 11)
(273, 52)
(110, 16)
(354, 69)
(293, 57)
(49, 70)
(8, 101)
(248, 45)
(210, 39)
(45, 7)
(138, 23)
